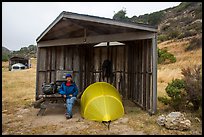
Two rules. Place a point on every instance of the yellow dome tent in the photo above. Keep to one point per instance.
(101, 102)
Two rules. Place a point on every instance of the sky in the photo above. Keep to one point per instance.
(23, 22)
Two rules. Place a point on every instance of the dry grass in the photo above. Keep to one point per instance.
(184, 59)
(18, 87)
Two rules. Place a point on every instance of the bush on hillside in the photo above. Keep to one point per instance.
(5, 57)
(176, 93)
(193, 85)
(162, 38)
(165, 57)
(182, 92)
(164, 100)
(195, 43)
(173, 34)
(175, 90)
(183, 6)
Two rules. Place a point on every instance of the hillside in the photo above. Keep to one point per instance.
(182, 21)
(178, 22)
(5, 50)
(30, 52)
(6, 53)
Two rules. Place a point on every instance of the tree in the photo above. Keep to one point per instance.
(120, 15)
(32, 48)
(5, 57)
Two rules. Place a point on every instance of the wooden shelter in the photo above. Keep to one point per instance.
(17, 59)
(70, 44)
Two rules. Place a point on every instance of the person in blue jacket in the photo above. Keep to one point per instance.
(69, 91)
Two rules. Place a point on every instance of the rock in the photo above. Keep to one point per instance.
(22, 111)
(174, 120)
(197, 119)
(79, 120)
(124, 120)
(19, 116)
(4, 111)
(161, 120)
(120, 120)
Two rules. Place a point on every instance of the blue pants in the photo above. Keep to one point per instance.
(70, 103)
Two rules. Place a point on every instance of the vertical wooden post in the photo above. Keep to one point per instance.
(108, 79)
(144, 72)
(148, 70)
(37, 74)
(154, 73)
(123, 83)
(100, 64)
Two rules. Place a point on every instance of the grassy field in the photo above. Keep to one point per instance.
(18, 87)
(19, 116)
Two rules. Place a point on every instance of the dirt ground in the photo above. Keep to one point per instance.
(134, 122)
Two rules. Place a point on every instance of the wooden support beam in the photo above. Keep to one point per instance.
(98, 39)
(154, 73)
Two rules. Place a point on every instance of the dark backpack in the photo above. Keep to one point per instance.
(49, 89)
(107, 70)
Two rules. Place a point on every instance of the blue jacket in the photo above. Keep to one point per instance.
(67, 90)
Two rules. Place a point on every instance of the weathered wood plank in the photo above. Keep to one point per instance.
(129, 72)
(98, 39)
(154, 73)
(144, 74)
(42, 79)
(53, 61)
(115, 67)
(136, 71)
(37, 74)
(42, 57)
(124, 67)
(68, 58)
(134, 63)
(59, 58)
(140, 74)
(148, 69)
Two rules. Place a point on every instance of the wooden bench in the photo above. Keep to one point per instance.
(46, 101)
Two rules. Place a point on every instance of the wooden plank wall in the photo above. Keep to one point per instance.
(117, 55)
(132, 67)
(140, 73)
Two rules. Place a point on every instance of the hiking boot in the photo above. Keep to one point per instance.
(68, 116)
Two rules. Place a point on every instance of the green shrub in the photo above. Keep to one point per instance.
(164, 100)
(185, 92)
(196, 26)
(193, 85)
(175, 90)
(5, 57)
(172, 34)
(165, 27)
(183, 6)
(165, 57)
(162, 38)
